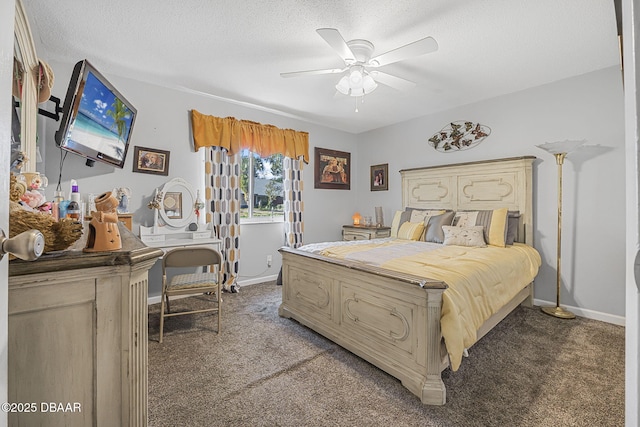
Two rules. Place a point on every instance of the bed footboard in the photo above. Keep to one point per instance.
(392, 322)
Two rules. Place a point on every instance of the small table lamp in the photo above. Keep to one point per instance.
(357, 218)
(559, 149)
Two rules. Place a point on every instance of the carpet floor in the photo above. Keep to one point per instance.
(263, 370)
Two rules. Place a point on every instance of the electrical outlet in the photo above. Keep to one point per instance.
(269, 259)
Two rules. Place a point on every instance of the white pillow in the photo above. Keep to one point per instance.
(464, 236)
(494, 222)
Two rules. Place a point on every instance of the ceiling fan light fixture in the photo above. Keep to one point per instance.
(355, 78)
(368, 84)
(356, 83)
(343, 85)
(361, 76)
(357, 91)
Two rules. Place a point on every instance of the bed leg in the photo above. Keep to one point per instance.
(529, 301)
(434, 391)
(283, 312)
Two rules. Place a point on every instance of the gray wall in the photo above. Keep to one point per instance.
(585, 107)
(163, 123)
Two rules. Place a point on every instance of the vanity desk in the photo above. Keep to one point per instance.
(175, 223)
(178, 239)
(78, 334)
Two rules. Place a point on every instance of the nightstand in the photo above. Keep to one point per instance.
(363, 232)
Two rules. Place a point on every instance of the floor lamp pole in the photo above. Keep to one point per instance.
(558, 311)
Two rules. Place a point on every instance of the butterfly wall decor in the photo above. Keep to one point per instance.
(458, 136)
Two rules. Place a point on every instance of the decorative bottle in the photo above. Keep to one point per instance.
(73, 210)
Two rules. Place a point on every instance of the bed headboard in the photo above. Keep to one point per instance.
(490, 184)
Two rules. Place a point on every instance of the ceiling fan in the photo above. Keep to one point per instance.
(361, 74)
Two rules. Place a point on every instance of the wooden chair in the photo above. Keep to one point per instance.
(194, 283)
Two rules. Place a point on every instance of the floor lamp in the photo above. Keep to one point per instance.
(559, 149)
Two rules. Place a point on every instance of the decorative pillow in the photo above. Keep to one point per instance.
(434, 232)
(412, 215)
(418, 215)
(464, 236)
(513, 224)
(411, 230)
(493, 221)
(400, 217)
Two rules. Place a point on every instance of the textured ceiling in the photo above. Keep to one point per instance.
(237, 49)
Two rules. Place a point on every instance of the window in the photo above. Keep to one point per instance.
(261, 188)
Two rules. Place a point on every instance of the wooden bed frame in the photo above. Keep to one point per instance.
(392, 320)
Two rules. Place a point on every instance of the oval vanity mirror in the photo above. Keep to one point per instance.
(177, 204)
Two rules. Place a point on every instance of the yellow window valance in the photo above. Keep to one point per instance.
(235, 135)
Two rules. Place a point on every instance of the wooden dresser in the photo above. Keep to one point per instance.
(78, 336)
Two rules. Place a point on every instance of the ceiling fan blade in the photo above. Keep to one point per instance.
(312, 72)
(392, 81)
(335, 40)
(417, 48)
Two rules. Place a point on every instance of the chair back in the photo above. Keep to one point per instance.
(191, 257)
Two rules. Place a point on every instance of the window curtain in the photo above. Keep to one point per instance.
(224, 138)
(235, 135)
(293, 206)
(222, 196)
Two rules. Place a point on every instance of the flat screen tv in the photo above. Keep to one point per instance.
(96, 119)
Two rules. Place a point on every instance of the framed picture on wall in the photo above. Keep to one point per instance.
(151, 160)
(332, 169)
(379, 177)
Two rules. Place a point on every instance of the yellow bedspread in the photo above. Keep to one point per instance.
(480, 280)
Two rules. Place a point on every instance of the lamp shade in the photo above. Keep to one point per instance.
(343, 85)
(368, 84)
(357, 91)
(560, 147)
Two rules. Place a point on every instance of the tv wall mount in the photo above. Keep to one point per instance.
(55, 115)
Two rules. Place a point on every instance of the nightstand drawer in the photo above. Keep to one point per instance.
(355, 235)
(352, 232)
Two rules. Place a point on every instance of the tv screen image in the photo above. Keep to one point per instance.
(97, 120)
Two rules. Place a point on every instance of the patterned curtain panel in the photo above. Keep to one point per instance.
(223, 208)
(293, 206)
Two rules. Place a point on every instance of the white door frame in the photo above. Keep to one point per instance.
(631, 48)
(7, 16)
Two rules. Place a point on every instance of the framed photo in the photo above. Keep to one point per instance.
(332, 169)
(150, 160)
(172, 204)
(380, 177)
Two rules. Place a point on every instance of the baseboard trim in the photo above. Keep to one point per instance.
(157, 298)
(582, 312)
(257, 280)
(588, 314)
